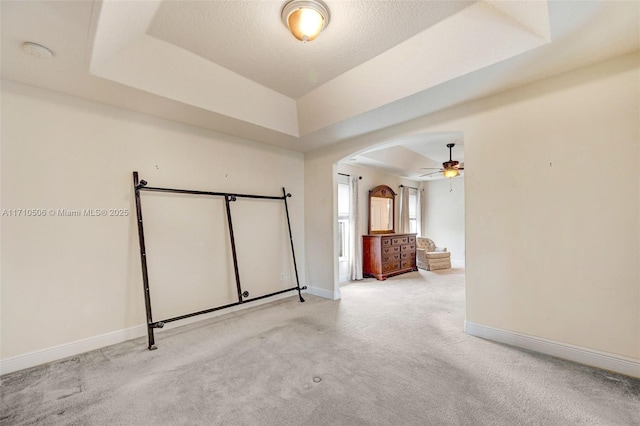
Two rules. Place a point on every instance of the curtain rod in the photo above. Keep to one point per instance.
(411, 187)
(344, 174)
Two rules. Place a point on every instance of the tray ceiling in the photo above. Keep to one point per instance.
(248, 37)
(232, 66)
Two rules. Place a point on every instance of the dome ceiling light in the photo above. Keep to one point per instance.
(305, 18)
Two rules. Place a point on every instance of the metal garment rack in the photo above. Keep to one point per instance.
(243, 296)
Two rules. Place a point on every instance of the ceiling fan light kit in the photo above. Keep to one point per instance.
(451, 168)
(450, 173)
(305, 18)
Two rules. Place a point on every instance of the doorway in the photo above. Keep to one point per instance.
(435, 204)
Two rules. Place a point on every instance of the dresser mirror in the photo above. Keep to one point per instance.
(381, 210)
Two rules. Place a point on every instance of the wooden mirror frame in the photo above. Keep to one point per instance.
(383, 191)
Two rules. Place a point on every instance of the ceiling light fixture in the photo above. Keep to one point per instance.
(37, 50)
(305, 18)
(450, 169)
(450, 172)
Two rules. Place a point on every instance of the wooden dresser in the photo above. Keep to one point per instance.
(388, 254)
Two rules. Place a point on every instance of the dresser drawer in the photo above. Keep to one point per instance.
(399, 241)
(390, 267)
(391, 257)
(412, 239)
(408, 248)
(386, 242)
(409, 263)
(390, 250)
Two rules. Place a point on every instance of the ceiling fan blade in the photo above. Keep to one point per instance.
(432, 173)
(429, 168)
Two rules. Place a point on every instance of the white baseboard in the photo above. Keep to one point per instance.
(592, 357)
(326, 294)
(32, 359)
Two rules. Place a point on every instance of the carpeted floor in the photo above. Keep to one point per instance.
(389, 352)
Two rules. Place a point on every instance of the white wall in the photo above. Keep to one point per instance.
(65, 279)
(444, 214)
(552, 206)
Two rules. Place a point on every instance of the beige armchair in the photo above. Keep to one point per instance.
(430, 257)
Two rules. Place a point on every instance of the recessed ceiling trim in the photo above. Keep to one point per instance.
(533, 16)
(160, 68)
(465, 42)
(461, 44)
(583, 33)
(124, 53)
(119, 24)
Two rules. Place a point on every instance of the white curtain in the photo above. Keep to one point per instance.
(403, 223)
(419, 211)
(355, 239)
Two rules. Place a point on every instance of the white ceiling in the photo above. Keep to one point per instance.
(232, 66)
(249, 38)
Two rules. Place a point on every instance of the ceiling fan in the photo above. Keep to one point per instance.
(449, 168)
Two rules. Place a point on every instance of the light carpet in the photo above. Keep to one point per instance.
(391, 353)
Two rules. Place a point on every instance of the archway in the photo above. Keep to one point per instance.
(398, 163)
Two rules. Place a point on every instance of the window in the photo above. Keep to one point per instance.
(343, 220)
(413, 210)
